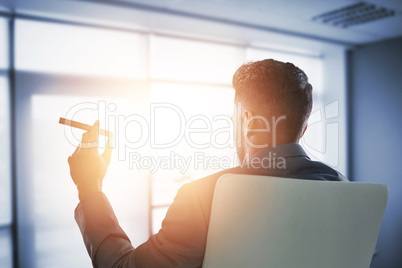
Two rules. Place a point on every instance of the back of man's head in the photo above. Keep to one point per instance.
(272, 88)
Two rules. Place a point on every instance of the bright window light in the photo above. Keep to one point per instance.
(3, 43)
(73, 50)
(54, 195)
(158, 214)
(6, 260)
(5, 154)
(184, 60)
(211, 105)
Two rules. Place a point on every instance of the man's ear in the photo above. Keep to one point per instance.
(247, 124)
(253, 123)
(305, 128)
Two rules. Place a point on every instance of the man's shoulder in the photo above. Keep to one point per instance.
(317, 170)
(208, 183)
(204, 188)
(307, 169)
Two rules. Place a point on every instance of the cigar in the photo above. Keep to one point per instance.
(83, 126)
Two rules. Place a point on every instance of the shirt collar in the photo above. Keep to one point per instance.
(285, 150)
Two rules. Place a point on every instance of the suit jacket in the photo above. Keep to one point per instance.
(182, 239)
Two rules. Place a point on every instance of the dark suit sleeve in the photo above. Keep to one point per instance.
(180, 242)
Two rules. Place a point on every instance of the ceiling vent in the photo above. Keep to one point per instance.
(355, 14)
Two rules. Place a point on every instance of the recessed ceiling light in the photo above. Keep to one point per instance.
(354, 14)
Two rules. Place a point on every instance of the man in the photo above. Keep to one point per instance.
(274, 101)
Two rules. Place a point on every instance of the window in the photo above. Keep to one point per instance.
(183, 60)
(5, 152)
(204, 146)
(3, 44)
(72, 50)
(194, 79)
(56, 83)
(6, 248)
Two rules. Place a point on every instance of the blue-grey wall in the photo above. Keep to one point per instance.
(375, 102)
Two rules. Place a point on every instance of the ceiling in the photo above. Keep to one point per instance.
(289, 16)
(245, 20)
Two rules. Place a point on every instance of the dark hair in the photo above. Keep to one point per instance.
(275, 88)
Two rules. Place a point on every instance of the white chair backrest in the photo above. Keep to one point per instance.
(260, 221)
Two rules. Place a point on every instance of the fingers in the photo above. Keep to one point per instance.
(85, 141)
(85, 138)
(94, 136)
(76, 150)
(94, 133)
(90, 138)
(107, 154)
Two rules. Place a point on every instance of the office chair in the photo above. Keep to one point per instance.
(260, 221)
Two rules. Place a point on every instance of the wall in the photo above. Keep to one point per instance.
(375, 102)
